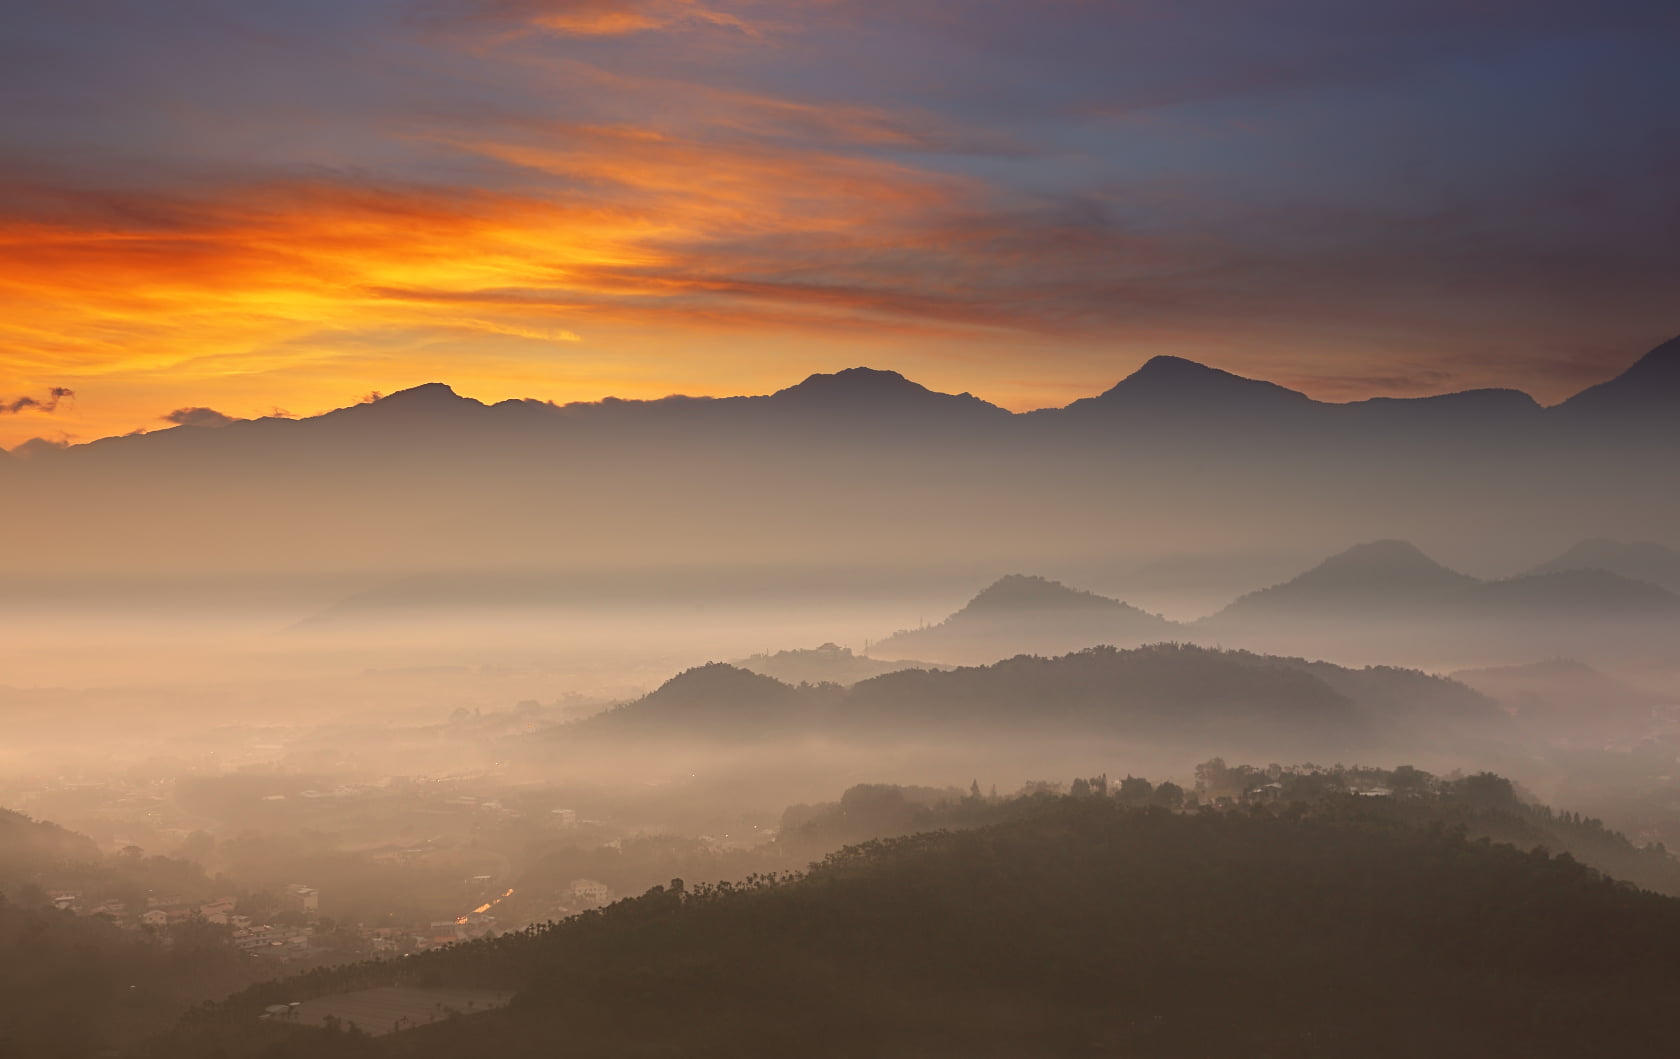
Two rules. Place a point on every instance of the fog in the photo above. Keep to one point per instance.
(423, 672)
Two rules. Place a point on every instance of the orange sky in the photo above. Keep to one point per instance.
(570, 200)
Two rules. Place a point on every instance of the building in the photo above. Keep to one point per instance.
(590, 892)
(305, 897)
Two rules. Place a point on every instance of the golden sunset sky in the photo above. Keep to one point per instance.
(260, 207)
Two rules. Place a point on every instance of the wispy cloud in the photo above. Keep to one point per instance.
(298, 203)
(47, 404)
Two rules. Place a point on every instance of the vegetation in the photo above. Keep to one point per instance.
(1087, 923)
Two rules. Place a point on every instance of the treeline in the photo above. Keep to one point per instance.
(1072, 924)
(1168, 692)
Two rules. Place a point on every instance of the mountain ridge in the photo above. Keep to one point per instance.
(1162, 383)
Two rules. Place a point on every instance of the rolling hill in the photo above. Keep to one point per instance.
(1020, 614)
(1165, 693)
(1069, 926)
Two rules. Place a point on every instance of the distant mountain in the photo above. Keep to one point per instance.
(1388, 599)
(1381, 577)
(1650, 388)
(1023, 614)
(1174, 385)
(710, 701)
(871, 391)
(857, 466)
(1580, 594)
(827, 664)
(1641, 561)
(1166, 693)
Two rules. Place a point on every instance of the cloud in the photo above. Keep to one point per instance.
(298, 201)
(48, 404)
(588, 18)
(198, 417)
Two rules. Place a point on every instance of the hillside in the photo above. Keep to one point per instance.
(1172, 693)
(1646, 561)
(1375, 597)
(1074, 926)
(1020, 614)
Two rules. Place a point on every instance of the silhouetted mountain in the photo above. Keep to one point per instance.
(713, 700)
(1071, 926)
(870, 390)
(1019, 613)
(1174, 385)
(1640, 560)
(1376, 578)
(1388, 599)
(860, 466)
(1170, 693)
(1651, 387)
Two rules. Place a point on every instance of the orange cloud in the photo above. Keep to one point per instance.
(597, 18)
(612, 226)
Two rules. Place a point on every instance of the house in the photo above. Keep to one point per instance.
(154, 917)
(590, 892)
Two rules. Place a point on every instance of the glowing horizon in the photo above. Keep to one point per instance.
(288, 209)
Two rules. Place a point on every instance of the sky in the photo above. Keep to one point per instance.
(279, 208)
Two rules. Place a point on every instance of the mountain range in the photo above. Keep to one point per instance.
(1382, 596)
(858, 466)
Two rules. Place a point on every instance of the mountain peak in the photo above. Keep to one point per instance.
(1385, 559)
(1651, 383)
(427, 393)
(852, 383)
(417, 403)
(1176, 379)
(878, 389)
(1015, 592)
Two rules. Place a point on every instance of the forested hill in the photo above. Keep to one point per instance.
(1169, 692)
(1075, 926)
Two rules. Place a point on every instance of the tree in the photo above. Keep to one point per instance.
(1135, 790)
(1169, 795)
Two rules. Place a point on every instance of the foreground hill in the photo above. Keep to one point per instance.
(1019, 614)
(1167, 693)
(1074, 927)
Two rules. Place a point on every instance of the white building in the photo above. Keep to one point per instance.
(306, 897)
(588, 891)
